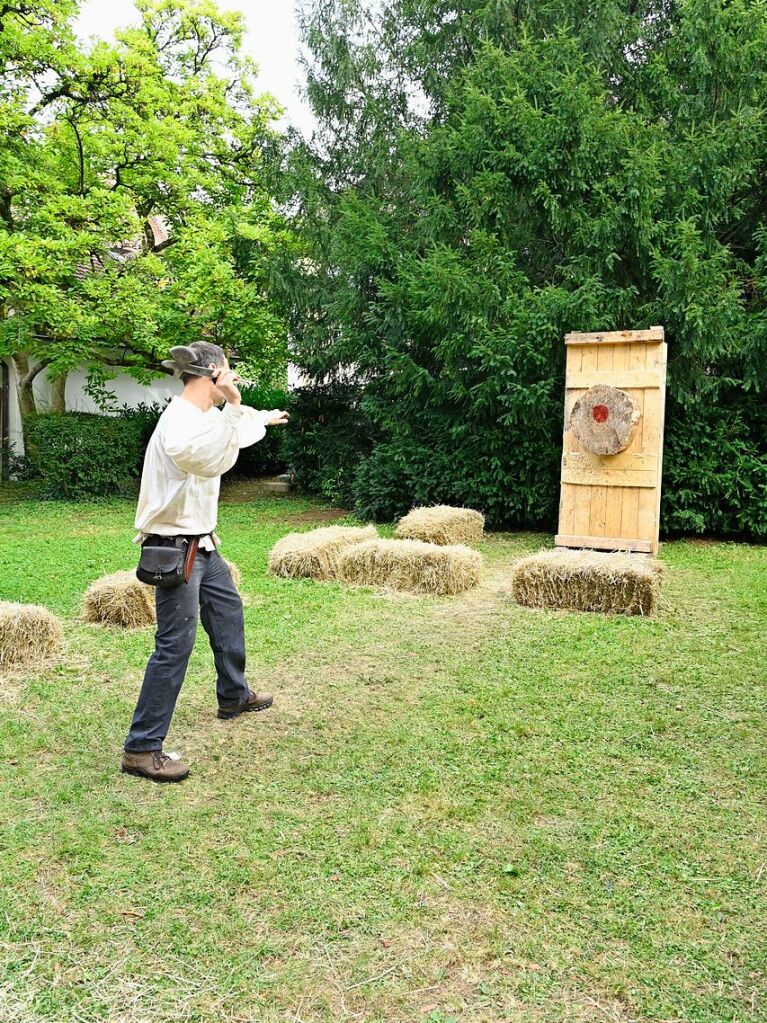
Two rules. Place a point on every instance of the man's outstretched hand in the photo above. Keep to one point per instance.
(278, 418)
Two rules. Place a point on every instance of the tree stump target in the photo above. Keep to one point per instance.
(604, 420)
(612, 453)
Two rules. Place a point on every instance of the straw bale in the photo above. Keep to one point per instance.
(236, 574)
(120, 599)
(28, 633)
(314, 555)
(627, 584)
(442, 524)
(412, 565)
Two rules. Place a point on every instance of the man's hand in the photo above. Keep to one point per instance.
(226, 380)
(278, 418)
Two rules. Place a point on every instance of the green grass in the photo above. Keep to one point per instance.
(457, 809)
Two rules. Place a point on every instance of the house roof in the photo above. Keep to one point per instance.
(126, 250)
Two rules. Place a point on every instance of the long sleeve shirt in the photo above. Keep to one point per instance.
(185, 457)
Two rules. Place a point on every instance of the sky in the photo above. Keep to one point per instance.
(271, 40)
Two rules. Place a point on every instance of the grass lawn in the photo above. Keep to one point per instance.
(458, 809)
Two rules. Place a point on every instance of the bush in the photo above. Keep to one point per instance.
(715, 469)
(262, 459)
(78, 455)
(267, 457)
(144, 418)
(328, 435)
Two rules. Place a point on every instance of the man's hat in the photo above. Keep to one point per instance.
(184, 360)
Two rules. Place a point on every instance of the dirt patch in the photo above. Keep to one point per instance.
(314, 515)
(240, 491)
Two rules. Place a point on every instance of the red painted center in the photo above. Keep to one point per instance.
(600, 413)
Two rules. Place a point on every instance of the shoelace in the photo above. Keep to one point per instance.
(159, 759)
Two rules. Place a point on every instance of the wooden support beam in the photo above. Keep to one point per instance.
(625, 379)
(616, 337)
(621, 470)
(602, 543)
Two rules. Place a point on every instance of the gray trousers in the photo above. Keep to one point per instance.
(211, 595)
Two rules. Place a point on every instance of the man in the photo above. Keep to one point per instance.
(193, 444)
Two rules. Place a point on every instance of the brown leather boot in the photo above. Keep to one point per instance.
(256, 701)
(155, 765)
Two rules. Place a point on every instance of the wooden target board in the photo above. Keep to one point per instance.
(612, 501)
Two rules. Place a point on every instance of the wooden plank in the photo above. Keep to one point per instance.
(574, 364)
(582, 495)
(624, 379)
(567, 495)
(629, 511)
(604, 543)
(581, 498)
(570, 441)
(637, 363)
(598, 509)
(661, 363)
(586, 476)
(646, 524)
(624, 460)
(566, 507)
(615, 337)
(647, 512)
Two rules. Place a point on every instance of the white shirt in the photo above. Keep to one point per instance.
(185, 457)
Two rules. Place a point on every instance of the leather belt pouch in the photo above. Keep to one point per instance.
(162, 565)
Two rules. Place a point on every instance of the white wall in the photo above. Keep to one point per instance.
(127, 390)
(295, 379)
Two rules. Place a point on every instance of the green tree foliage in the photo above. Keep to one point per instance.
(487, 177)
(134, 212)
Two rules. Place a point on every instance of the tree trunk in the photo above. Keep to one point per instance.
(25, 392)
(25, 378)
(58, 394)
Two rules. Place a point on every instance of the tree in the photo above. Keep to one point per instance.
(134, 213)
(489, 176)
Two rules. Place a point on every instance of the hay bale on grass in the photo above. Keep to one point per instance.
(28, 633)
(627, 584)
(314, 555)
(119, 599)
(442, 525)
(122, 599)
(411, 565)
(236, 574)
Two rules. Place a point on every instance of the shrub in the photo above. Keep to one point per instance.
(328, 435)
(267, 457)
(78, 455)
(715, 469)
(143, 416)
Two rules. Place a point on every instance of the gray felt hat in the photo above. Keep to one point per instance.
(184, 360)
